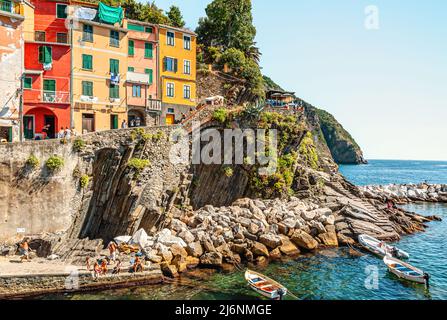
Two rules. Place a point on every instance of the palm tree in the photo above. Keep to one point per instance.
(254, 53)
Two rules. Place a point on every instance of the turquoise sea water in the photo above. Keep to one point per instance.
(332, 274)
(396, 171)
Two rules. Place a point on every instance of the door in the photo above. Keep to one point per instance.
(113, 121)
(51, 123)
(88, 123)
(170, 119)
(28, 127)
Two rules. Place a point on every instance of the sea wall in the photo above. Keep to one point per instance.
(29, 285)
(407, 192)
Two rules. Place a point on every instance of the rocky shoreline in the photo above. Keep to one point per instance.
(406, 193)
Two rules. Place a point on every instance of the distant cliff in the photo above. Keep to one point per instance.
(341, 144)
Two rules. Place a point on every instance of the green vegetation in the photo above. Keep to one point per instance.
(228, 171)
(226, 37)
(54, 163)
(79, 145)
(138, 165)
(270, 84)
(220, 115)
(32, 161)
(175, 17)
(308, 151)
(84, 180)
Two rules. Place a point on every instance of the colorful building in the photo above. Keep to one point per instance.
(46, 80)
(177, 65)
(12, 16)
(99, 69)
(144, 107)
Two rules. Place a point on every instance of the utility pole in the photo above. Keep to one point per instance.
(21, 127)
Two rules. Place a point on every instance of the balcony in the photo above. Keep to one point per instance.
(153, 105)
(53, 97)
(136, 77)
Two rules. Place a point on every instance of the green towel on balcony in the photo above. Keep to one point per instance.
(110, 15)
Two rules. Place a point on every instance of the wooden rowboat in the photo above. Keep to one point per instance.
(381, 248)
(265, 286)
(406, 271)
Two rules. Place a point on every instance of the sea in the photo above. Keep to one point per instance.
(332, 274)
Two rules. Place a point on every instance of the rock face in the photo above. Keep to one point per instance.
(343, 148)
(304, 240)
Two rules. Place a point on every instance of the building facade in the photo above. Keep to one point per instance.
(46, 79)
(12, 16)
(144, 107)
(177, 65)
(99, 72)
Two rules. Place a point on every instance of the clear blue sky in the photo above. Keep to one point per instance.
(388, 87)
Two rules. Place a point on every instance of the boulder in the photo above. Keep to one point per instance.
(178, 251)
(261, 262)
(166, 238)
(275, 254)
(308, 215)
(259, 249)
(329, 239)
(208, 246)
(211, 259)
(195, 249)
(187, 236)
(288, 248)
(192, 262)
(253, 228)
(169, 270)
(180, 263)
(270, 240)
(239, 248)
(304, 240)
(154, 258)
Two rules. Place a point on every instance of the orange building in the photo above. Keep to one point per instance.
(143, 103)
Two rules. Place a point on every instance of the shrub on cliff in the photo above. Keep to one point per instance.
(84, 180)
(55, 163)
(220, 115)
(79, 145)
(138, 165)
(32, 162)
(308, 151)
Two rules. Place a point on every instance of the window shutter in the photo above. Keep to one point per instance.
(41, 54)
(49, 85)
(27, 83)
(165, 64)
(151, 76)
(131, 48)
(175, 65)
(148, 50)
(47, 54)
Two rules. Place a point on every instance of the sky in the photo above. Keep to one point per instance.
(381, 71)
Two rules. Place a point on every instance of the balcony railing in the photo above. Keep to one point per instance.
(37, 96)
(153, 105)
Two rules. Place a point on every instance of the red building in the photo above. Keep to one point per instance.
(46, 81)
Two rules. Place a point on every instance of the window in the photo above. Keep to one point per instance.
(61, 37)
(114, 66)
(150, 72)
(113, 121)
(187, 67)
(49, 85)
(87, 33)
(170, 38)
(114, 91)
(39, 36)
(87, 62)
(187, 42)
(131, 69)
(114, 38)
(170, 89)
(60, 11)
(148, 50)
(171, 110)
(187, 92)
(87, 88)
(131, 50)
(170, 64)
(148, 30)
(27, 83)
(136, 91)
(45, 54)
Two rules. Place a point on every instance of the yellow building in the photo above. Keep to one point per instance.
(99, 67)
(177, 70)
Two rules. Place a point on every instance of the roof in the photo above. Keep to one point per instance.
(280, 92)
(143, 23)
(184, 30)
(105, 25)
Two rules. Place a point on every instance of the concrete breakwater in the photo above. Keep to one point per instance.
(407, 192)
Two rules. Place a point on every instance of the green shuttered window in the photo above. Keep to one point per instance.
(87, 88)
(148, 50)
(60, 11)
(131, 50)
(114, 38)
(114, 66)
(28, 82)
(45, 54)
(114, 91)
(49, 85)
(150, 72)
(87, 62)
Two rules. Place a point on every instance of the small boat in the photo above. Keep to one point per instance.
(406, 271)
(381, 248)
(265, 286)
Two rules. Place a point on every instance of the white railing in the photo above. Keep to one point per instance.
(153, 105)
(56, 97)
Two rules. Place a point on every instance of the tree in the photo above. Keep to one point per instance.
(175, 17)
(229, 24)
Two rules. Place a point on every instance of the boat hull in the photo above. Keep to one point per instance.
(404, 270)
(372, 244)
(264, 285)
